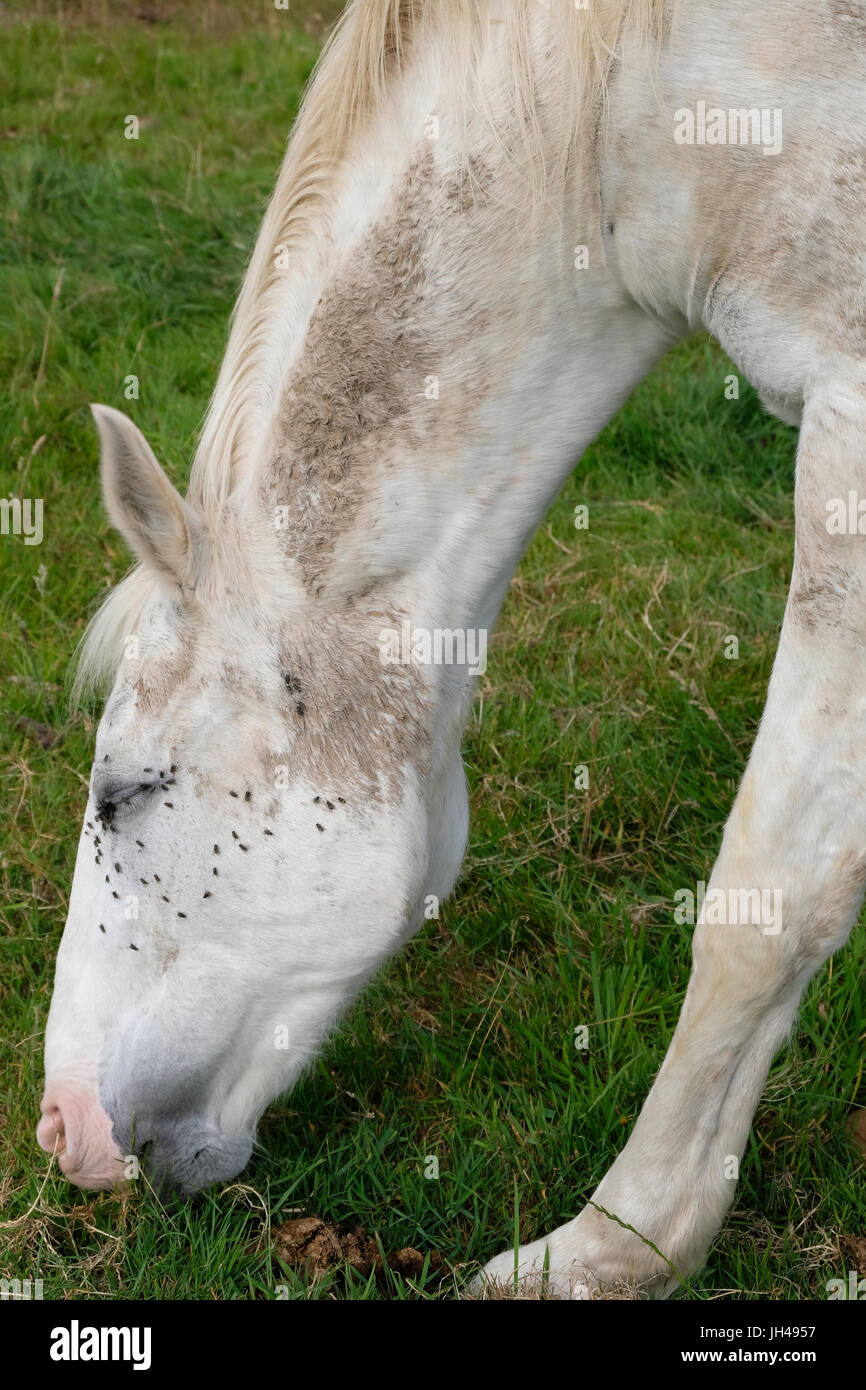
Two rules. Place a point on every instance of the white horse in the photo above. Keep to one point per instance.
(489, 226)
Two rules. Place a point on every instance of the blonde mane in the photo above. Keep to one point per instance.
(370, 46)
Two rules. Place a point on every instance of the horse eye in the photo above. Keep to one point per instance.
(117, 800)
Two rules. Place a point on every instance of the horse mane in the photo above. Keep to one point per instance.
(369, 47)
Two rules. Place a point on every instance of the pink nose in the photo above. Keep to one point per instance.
(75, 1127)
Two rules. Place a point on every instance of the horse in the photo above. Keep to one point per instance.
(491, 221)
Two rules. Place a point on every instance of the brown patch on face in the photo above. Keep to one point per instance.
(159, 679)
(354, 722)
(169, 958)
(240, 683)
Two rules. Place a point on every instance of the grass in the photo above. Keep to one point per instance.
(123, 257)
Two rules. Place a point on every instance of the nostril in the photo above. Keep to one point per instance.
(51, 1131)
(76, 1130)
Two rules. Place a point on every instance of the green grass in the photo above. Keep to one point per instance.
(610, 652)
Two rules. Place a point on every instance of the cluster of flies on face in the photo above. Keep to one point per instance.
(106, 808)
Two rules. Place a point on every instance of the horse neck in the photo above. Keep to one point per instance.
(438, 354)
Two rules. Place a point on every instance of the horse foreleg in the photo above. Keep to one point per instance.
(795, 836)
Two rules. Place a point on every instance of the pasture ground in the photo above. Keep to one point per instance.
(124, 257)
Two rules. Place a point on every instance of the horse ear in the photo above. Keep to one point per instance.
(163, 530)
